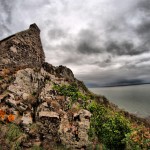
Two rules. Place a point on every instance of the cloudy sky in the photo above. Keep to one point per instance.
(104, 42)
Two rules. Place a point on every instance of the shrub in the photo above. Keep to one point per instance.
(114, 131)
(109, 128)
(99, 117)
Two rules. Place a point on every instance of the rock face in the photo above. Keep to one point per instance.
(31, 99)
(28, 99)
(22, 49)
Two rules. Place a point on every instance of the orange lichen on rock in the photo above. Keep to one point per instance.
(11, 118)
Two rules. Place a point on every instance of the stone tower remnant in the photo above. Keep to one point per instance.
(23, 49)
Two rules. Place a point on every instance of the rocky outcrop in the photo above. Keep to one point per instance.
(22, 49)
(32, 100)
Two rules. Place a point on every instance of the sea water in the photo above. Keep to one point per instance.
(135, 99)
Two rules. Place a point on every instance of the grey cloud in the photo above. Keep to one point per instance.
(87, 43)
(124, 48)
(144, 32)
(56, 33)
(4, 29)
(6, 6)
(73, 60)
(116, 43)
(144, 5)
(144, 28)
(123, 82)
(87, 48)
(6, 9)
(104, 63)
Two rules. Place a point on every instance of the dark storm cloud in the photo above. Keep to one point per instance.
(124, 48)
(144, 32)
(123, 82)
(120, 49)
(144, 28)
(144, 5)
(87, 48)
(87, 42)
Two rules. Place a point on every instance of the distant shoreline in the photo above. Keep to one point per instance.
(118, 85)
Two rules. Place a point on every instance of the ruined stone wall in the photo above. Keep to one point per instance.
(22, 49)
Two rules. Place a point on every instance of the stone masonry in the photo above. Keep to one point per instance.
(23, 49)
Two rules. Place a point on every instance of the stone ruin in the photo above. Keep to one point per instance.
(23, 49)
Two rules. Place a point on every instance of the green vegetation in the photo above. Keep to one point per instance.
(110, 128)
(73, 92)
(13, 132)
(14, 136)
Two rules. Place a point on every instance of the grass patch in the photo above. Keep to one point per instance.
(14, 136)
